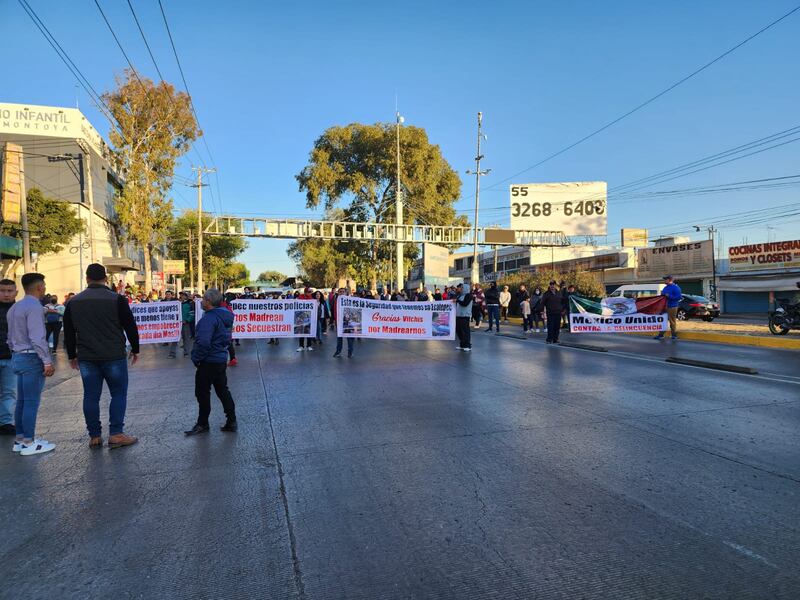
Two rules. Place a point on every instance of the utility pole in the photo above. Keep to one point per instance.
(23, 204)
(475, 277)
(399, 211)
(85, 161)
(191, 268)
(199, 185)
(712, 231)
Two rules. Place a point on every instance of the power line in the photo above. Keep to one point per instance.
(144, 39)
(119, 45)
(68, 62)
(653, 98)
(183, 78)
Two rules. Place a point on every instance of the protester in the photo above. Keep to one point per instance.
(463, 313)
(187, 318)
(537, 321)
(53, 315)
(96, 323)
(522, 294)
(553, 304)
(477, 305)
(673, 294)
(31, 361)
(321, 314)
(437, 294)
(505, 301)
(210, 355)
(492, 297)
(231, 350)
(525, 309)
(339, 338)
(302, 342)
(423, 295)
(568, 304)
(169, 296)
(8, 380)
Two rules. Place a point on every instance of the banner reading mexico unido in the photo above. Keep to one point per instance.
(361, 317)
(157, 321)
(271, 318)
(618, 315)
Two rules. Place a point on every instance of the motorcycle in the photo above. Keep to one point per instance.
(784, 318)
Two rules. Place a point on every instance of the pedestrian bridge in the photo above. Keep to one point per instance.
(388, 232)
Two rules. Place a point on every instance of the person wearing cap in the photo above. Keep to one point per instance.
(96, 322)
(673, 294)
(30, 361)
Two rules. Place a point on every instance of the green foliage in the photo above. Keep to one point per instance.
(156, 127)
(352, 174)
(586, 283)
(276, 276)
(218, 250)
(52, 223)
(233, 274)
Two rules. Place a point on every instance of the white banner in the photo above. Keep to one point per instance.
(360, 317)
(586, 322)
(157, 322)
(270, 318)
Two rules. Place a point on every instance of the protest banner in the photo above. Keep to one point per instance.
(270, 318)
(618, 315)
(361, 317)
(157, 321)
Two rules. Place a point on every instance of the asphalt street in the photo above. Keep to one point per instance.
(415, 471)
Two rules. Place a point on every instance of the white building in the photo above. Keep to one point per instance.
(67, 159)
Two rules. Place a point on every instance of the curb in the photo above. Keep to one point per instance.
(737, 340)
(712, 365)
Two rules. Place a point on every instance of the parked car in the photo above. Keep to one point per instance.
(638, 290)
(697, 307)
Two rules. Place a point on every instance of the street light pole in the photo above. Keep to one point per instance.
(199, 185)
(475, 276)
(399, 210)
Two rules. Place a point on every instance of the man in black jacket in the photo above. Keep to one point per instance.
(96, 322)
(492, 297)
(8, 380)
(553, 304)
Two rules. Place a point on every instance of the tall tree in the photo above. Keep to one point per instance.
(271, 276)
(53, 222)
(154, 127)
(218, 250)
(356, 166)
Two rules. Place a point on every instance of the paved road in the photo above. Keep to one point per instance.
(415, 471)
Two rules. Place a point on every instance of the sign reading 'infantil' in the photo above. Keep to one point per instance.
(48, 121)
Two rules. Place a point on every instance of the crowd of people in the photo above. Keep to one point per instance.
(100, 337)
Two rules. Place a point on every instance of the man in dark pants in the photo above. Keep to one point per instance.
(210, 356)
(96, 322)
(553, 304)
(463, 315)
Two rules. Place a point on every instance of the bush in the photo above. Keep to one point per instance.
(586, 284)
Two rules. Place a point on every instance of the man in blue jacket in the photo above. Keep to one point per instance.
(674, 295)
(210, 356)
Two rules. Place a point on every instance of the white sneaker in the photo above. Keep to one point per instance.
(18, 445)
(459, 348)
(309, 349)
(37, 447)
(300, 349)
(538, 331)
(467, 349)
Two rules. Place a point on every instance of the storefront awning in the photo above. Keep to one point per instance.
(117, 265)
(782, 282)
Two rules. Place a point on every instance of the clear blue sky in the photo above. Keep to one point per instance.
(267, 79)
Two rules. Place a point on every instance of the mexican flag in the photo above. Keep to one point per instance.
(618, 315)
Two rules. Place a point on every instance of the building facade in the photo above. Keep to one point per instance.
(67, 159)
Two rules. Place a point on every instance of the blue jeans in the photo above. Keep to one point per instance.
(339, 345)
(494, 315)
(30, 382)
(8, 391)
(115, 374)
(320, 328)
